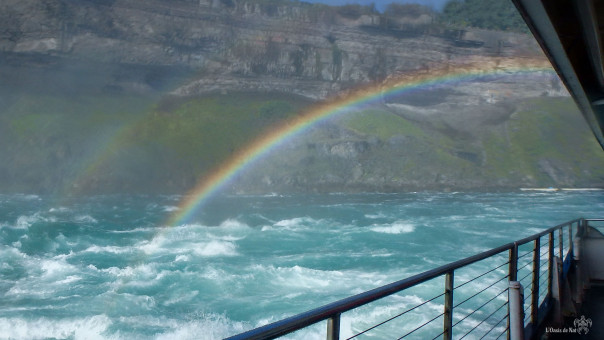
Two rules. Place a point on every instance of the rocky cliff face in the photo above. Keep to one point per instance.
(504, 131)
(298, 48)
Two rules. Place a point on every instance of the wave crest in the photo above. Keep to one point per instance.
(395, 228)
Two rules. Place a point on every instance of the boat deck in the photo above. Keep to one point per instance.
(592, 309)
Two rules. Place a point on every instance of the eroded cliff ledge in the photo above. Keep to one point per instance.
(107, 96)
(240, 45)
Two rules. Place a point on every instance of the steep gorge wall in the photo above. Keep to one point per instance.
(241, 45)
(487, 133)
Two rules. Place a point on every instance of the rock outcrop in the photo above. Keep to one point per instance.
(63, 57)
(241, 45)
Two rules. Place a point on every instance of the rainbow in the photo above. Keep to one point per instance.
(225, 172)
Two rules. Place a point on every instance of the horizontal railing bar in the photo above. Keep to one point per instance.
(396, 316)
(547, 231)
(299, 321)
(594, 219)
(481, 275)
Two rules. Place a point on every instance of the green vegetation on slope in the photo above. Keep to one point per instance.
(48, 140)
(113, 143)
(546, 137)
(381, 124)
(544, 143)
(93, 144)
(204, 131)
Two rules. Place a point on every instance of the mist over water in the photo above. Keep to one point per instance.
(106, 267)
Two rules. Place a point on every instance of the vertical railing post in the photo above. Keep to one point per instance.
(550, 266)
(570, 237)
(512, 274)
(578, 277)
(448, 315)
(333, 327)
(561, 244)
(513, 263)
(515, 311)
(535, 284)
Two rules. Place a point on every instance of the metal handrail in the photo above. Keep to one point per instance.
(332, 312)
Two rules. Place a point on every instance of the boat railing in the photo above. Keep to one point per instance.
(474, 299)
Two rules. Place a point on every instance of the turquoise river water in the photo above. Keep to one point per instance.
(107, 267)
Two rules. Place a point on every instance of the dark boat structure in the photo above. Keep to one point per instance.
(552, 282)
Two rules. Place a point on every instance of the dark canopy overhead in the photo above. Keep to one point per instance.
(570, 32)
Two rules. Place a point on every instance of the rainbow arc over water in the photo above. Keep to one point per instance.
(219, 178)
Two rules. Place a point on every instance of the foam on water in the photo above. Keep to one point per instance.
(26, 221)
(182, 258)
(398, 227)
(297, 280)
(86, 219)
(298, 223)
(92, 327)
(205, 327)
(10, 254)
(59, 210)
(107, 249)
(135, 230)
(28, 197)
(216, 248)
(366, 317)
(233, 224)
(376, 216)
(106, 267)
(306, 224)
(181, 298)
(45, 277)
(297, 277)
(55, 268)
(143, 272)
(197, 240)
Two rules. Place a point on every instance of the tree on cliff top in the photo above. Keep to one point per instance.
(488, 14)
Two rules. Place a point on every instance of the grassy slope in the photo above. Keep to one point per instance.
(381, 124)
(47, 140)
(112, 143)
(544, 129)
(543, 133)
